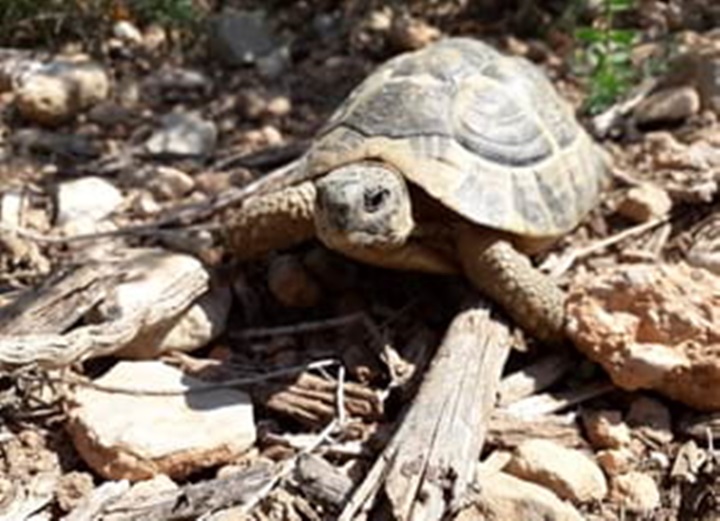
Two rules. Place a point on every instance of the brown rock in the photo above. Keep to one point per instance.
(616, 461)
(408, 33)
(502, 497)
(668, 106)
(652, 327)
(291, 283)
(651, 419)
(606, 430)
(699, 68)
(213, 183)
(278, 106)
(645, 202)
(138, 436)
(568, 472)
(169, 183)
(59, 90)
(635, 491)
(46, 101)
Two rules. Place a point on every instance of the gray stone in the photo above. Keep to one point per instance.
(183, 135)
(668, 106)
(87, 198)
(239, 38)
(275, 63)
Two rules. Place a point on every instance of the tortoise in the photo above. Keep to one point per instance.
(451, 159)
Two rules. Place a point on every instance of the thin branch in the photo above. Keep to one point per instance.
(198, 388)
(296, 329)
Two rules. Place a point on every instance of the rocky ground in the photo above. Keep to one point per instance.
(148, 375)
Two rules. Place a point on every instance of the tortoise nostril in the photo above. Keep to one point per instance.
(375, 198)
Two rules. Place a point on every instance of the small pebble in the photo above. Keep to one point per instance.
(645, 202)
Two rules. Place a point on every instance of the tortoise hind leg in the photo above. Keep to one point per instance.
(273, 221)
(505, 275)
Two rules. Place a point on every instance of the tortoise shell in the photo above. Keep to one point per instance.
(485, 134)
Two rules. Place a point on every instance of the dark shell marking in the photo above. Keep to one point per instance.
(485, 134)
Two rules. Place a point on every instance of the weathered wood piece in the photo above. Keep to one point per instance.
(322, 482)
(312, 400)
(535, 377)
(191, 501)
(429, 463)
(90, 508)
(507, 431)
(168, 295)
(60, 301)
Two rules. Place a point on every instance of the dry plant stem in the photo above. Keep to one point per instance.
(234, 382)
(421, 471)
(305, 327)
(570, 257)
(185, 215)
(262, 158)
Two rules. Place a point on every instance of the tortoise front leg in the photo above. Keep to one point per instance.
(273, 221)
(529, 297)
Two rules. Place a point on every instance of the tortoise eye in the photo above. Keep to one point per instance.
(375, 198)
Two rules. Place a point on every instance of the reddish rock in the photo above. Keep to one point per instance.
(138, 436)
(652, 327)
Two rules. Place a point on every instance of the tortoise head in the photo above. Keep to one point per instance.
(363, 205)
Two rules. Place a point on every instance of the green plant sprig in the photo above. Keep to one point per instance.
(605, 57)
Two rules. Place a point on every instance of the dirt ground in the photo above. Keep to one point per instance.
(266, 119)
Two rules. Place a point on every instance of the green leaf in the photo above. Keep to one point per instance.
(589, 35)
(622, 36)
(619, 58)
(617, 6)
